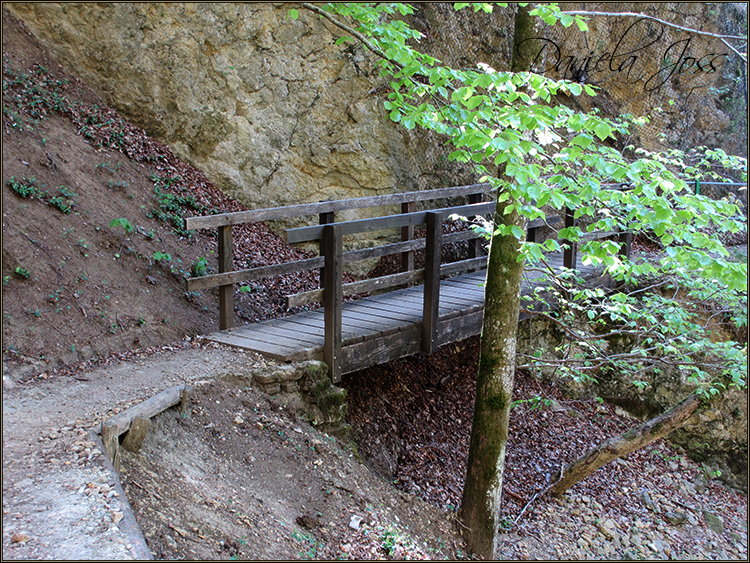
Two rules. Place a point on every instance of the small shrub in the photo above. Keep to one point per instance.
(122, 222)
(24, 188)
(162, 256)
(200, 267)
(64, 205)
(22, 273)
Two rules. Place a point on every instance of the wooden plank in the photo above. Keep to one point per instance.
(312, 327)
(316, 324)
(597, 235)
(111, 442)
(120, 423)
(473, 284)
(244, 339)
(137, 433)
(374, 352)
(378, 310)
(454, 297)
(289, 211)
(279, 337)
(354, 288)
(284, 334)
(448, 303)
(463, 266)
(387, 301)
(469, 287)
(226, 292)
(460, 327)
(460, 236)
(365, 323)
(384, 250)
(232, 277)
(333, 243)
(315, 232)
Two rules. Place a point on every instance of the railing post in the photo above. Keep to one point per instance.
(226, 292)
(626, 239)
(407, 233)
(332, 246)
(569, 255)
(475, 243)
(324, 219)
(431, 305)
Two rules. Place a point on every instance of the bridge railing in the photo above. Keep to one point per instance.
(329, 235)
(326, 211)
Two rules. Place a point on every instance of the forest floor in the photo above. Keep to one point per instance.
(96, 319)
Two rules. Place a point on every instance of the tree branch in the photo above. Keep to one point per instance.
(721, 37)
(622, 445)
(366, 42)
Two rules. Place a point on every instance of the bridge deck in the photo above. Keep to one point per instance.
(375, 329)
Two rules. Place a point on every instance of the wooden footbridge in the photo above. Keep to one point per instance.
(446, 305)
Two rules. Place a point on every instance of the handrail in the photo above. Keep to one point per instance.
(315, 232)
(240, 217)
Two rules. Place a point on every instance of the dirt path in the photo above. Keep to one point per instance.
(59, 499)
(239, 477)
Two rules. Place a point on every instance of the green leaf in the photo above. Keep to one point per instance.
(602, 130)
(566, 20)
(293, 14)
(341, 40)
(474, 102)
(581, 24)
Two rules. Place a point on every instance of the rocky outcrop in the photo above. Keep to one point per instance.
(275, 113)
(268, 107)
(305, 387)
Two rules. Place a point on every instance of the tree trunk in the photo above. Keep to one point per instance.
(619, 446)
(480, 504)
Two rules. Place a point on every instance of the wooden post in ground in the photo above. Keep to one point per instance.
(226, 292)
(431, 305)
(332, 246)
(627, 240)
(136, 434)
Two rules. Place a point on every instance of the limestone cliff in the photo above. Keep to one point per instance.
(275, 113)
(268, 107)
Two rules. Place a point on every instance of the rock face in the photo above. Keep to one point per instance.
(275, 113)
(268, 107)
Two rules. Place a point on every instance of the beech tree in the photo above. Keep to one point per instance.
(539, 155)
